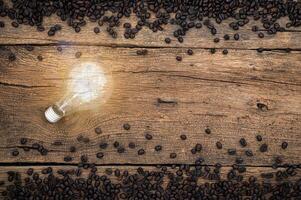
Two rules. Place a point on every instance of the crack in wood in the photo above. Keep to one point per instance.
(23, 85)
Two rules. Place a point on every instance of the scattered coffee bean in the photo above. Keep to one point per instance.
(179, 58)
(132, 145)
(72, 149)
(190, 52)
(96, 30)
(15, 152)
(231, 151)
(243, 142)
(284, 145)
(207, 131)
(236, 36)
(78, 54)
(126, 126)
(68, 159)
(141, 152)
(99, 155)
(263, 148)
(183, 137)
(148, 136)
(225, 51)
(167, 40)
(103, 145)
(98, 130)
(173, 155)
(259, 138)
(212, 51)
(12, 57)
(23, 141)
(116, 144)
(249, 153)
(158, 148)
(219, 145)
(40, 57)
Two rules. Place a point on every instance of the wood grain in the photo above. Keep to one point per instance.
(196, 38)
(216, 91)
(250, 171)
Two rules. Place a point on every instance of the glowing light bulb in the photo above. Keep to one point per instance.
(87, 83)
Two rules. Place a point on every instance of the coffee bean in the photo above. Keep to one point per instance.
(236, 36)
(158, 148)
(225, 51)
(126, 126)
(132, 145)
(78, 54)
(40, 57)
(68, 159)
(219, 145)
(148, 136)
(263, 148)
(96, 30)
(190, 52)
(72, 149)
(207, 131)
(23, 141)
(249, 153)
(141, 152)
(216, 40)
(120, 149)
(59, 49)
(103, 145)
(15, 24)
(259, 138)
(12, 57)
(179, 58)
(231, 151)
(173, 155)
(243, 142)
(262, 107)
(198, 147)
(212, 51)
(183, 137)
(260, 35)
(226, 37)
(167, 40)
(98, 130)
(99, 155)
(29, 47)
(15, 152)
(284, 145)
(116, 144)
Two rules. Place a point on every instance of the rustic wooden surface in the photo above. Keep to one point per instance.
(204, 90)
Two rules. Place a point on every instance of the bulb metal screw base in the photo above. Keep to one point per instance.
(52, 116)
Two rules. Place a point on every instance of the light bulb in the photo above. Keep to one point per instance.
(88, 86)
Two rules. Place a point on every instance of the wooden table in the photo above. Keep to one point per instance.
(241, 94)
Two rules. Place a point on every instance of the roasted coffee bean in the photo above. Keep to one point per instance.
(98, 130)
(167, 40)
(78, 54)
(2, 24)
(126, 126)
(72, 149)
(198, 147)
(96, 30)
(263, 148)
(23, 141)
(158, 148)
(212, 51)
(84, 158)
(148, 136)
(216, 40)
(116, 144)
(219, 145)
(236, 36)
(207, 131)
(183, 137)
(15, 24)
(141, 151)
(231, 151)
(99, 155)
(29, 47)
(243, 142)
(103, 145)
(190, 52)
(249, 153)
(284, 145)
(40, 57)
(262, 107)
(259, 138)
(142, 52)
(225, 51)
(68, 159)
(59, 49)
(132, 145)
(173, 155)
(120, 149)
(179, 58)
(12, 57)
(226, 37)
(15, 152)
(260, 35)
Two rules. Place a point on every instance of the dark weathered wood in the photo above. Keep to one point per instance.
(216, 91)
(200, 38)
(250, 171)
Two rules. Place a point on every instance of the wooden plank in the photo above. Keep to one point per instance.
(101, 170)
(216, 91)
(197, 38)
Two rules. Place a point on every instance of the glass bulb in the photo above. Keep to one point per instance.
(87, 82)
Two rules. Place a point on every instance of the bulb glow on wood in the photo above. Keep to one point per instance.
(87, 87)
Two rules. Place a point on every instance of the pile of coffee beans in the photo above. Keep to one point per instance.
(162, 182)
(155, 15)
